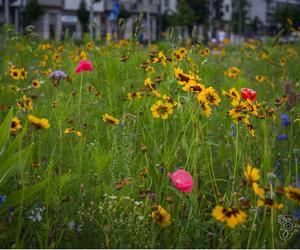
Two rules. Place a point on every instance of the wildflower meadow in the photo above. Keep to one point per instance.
(114, 144)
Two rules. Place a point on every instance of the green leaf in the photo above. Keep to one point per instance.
(13, 164)
(24, 195)
(14, 145)
(5, 130)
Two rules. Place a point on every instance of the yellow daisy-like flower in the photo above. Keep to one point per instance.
(71, 130)
(232, 216)
(41, 123)
(161, 217)
(161, 110)
(36, 84)
(148, 84)
(110, 119)
(270, 203)
(260, 78)
(258, 190)
(252, 174)
(23, 73)
(90, 45)
(15, 73)
(16, 126)
(42, 64)
(182, 51)
(292, 193)
(205, 52)
(210, 96)
(134, 95)
(282, 61)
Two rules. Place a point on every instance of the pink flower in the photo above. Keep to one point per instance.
(84, 66)
(182, 180)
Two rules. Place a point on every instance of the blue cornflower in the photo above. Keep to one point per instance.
(285, 120)
(282, 137)
(2, 199)
(296, 214)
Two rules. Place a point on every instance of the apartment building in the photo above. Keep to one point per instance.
(60, 16)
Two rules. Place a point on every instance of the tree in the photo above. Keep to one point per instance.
(83, 16)
(33, 11)
(184, 16)
(239, 15)
(288, 12)
(200, 9)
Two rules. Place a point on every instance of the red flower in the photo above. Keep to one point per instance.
(84, 66)
(248, 94)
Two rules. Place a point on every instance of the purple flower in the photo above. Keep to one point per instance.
(285, 120)
(232, 131)
(152, 196)
(282, 137)
(58, 75)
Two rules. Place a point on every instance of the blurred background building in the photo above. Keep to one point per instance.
(54, 19)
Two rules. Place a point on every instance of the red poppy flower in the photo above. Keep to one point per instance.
(84, 66)
(248, 94)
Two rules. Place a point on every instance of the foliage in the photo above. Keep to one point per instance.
(33, 11)
(83, 15)
(239, 15)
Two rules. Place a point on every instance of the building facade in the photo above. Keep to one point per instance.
(60, 17)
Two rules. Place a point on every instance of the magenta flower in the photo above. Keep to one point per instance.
(182, 180)
(84, 66)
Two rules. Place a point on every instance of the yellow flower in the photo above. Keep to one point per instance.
(38, 122)
(252, 174)
(232, 216)
(15, 73)
(42, 64)
(155, 93)
(270, 203)
(148, 84)
(26, 104)
(23, 74)
(282, 61)
(161, 110)
(161, 217)
(210, 96)
(134, 95)
(233, 94)
(90, 45)
(260, 78)
(36, 84)
(16, 126)
(205, 52)
(250, 128)
(206, 109)
(71, 130)
(258, 190)
(56, 57)
(110, 119)
(292, 193)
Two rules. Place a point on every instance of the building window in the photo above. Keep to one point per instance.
(167, 3)
(227, 7)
